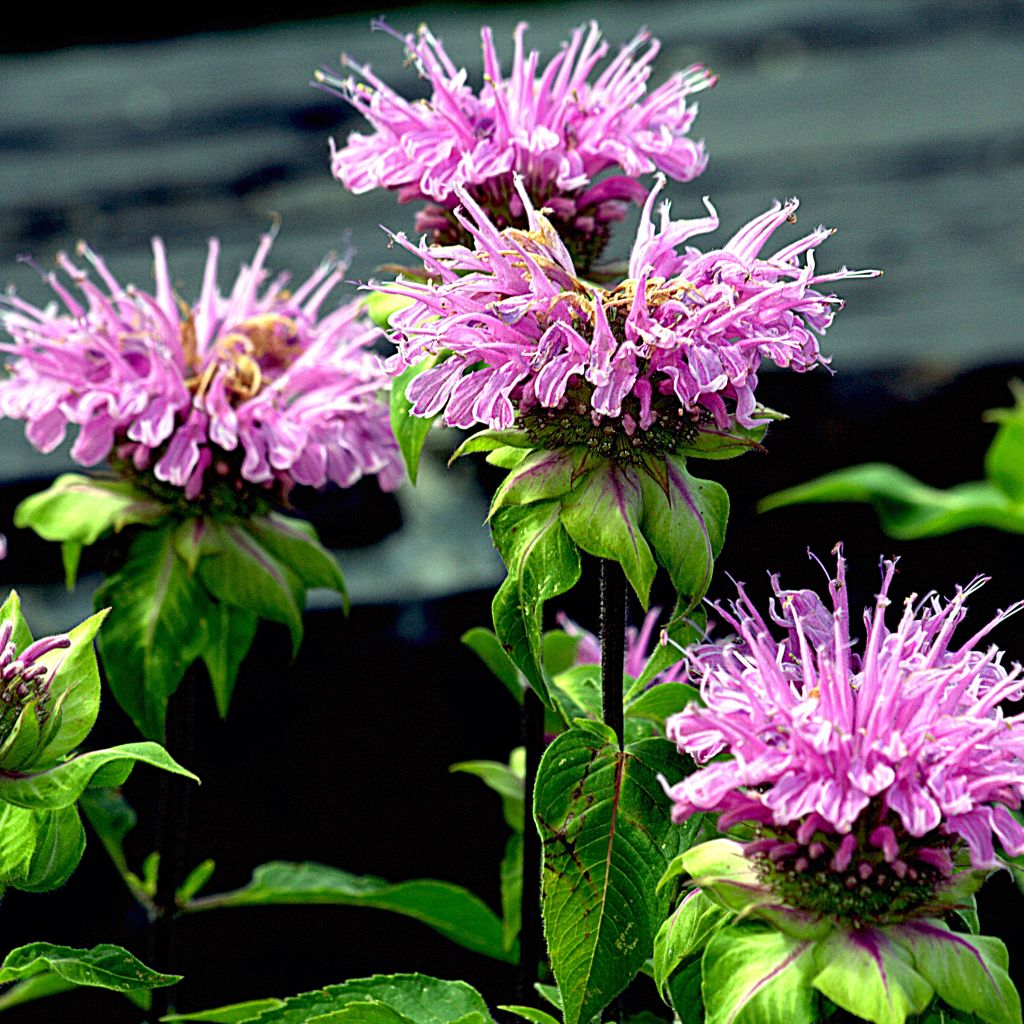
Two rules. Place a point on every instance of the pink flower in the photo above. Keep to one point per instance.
(673, 350)
(252, 388)
(882, 764)
(553, 125)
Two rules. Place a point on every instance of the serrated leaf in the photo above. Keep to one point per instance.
(685, 933)
(754, 975)
(152, 636)
(486, 646)
(603, 515)
(607, 838)
(410, 431)
(908, 509)
(62, 784)
(228, 634)
(542, 563)
(103, 966)
(969, 972)
(685, 527)
(870, 975)
(449, 909)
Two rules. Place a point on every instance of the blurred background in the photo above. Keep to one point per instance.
(897, 121)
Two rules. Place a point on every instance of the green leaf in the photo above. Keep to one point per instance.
(58, 848)
(103, 966)
(77, 510)
(37, 987)
(230, 631)
(62, 784)
(195, 880)
(380, 306)
(969, 972)
(560, 651)
(410, 431)
(541, 475)
(603, 516)
(907, 508)
(684, 523)
(237, 569)
(657, 703)
(531, 1014)
(492, 441)
(486, 646)
(755, 975)
(10, 611)
(685, 933)
(542, 563)
(607, 838)
(712, 443)
(294, 543)
(505, 780)
(870, 975)
(578, 692)
(152, 635)
(684, 628)
(1004, 460)
(684, 993)
(76, 679)
(237, 1013)
(112, 817)
(449, 909)
(511, 873)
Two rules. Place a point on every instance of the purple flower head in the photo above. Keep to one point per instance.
(554, 125)
(255, 390)
(25, 681)
(645, 366)
(638, 648)
(866, 773)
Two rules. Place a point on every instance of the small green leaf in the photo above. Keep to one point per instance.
(607, 838)
(713, 443)
(754, 975)
(486, 646)
(870, 975)
(685, 933)
(531, 1014)
(684, 523)
(237, 1013)
(62, 784)
(10, 611)
(410, 431)
(38, 987)
(684, 993)
(195, 881)
(603, 515)
(578, 692)
(228, 634)
(657, 703)
(103, 966)
(505, 781)
(542, 563)
(152, 635)
(1004, 460)
(560, 651)
(112, 818)
(684, 628)
(540, 476)
(294, 543)
(492, 441)
(511, 874)
(449, 909)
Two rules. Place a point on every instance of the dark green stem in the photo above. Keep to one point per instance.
(613, 644)
(173, 807)
(531, 934)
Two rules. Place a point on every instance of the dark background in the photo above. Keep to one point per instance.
(897, 121)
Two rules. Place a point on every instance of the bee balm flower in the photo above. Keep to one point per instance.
(554, 125)
(255, 389)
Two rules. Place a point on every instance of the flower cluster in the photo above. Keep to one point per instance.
(867, 775)
(672, 350)
(25, 683)
(254, 390)
(554, 126)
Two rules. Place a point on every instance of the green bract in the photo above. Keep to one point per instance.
(762, 962)
(189, 588)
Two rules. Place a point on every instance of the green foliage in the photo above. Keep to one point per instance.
(382, 999)
(42, 968)
(449, 909)
(380, 306)
(505, 779)
(410, 431)
(607, 840)
(909, 509)
(685, 933)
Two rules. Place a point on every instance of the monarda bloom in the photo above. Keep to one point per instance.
(243, 394)
(579, 142)
(877, 779)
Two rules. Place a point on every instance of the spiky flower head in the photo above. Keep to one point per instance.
(247, 393)
(25, 678)
(643, 367)
(579, 142)
(869, 775)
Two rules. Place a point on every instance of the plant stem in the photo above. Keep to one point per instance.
(173, 806)
(531, 933)
(613, 644)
